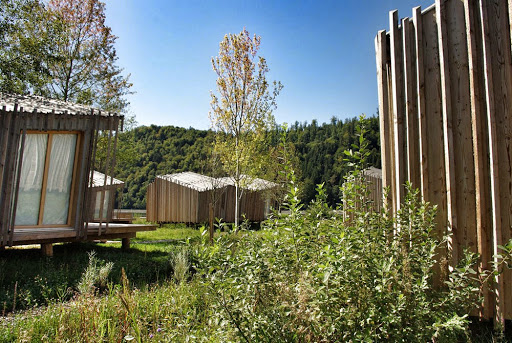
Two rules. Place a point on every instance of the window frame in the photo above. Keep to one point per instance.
(72, 197)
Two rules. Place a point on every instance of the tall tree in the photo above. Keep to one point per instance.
(26, 45)
(86, 71)
(241, 111)
(61, 49)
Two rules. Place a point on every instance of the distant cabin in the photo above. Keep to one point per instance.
(186, 197)
(47, 153)
(182, 198)
(103, 191)
(256, 200)
(374, 178)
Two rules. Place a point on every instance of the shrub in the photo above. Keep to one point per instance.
(95, 277)
(322, 276)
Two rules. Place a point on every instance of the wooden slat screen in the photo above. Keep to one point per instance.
(445, 104)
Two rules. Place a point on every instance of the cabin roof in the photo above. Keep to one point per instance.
(372, 171)
(98, 180)
(34, 103)
(252, 184)
(192, 180)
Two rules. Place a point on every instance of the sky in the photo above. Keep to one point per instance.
(322, 51)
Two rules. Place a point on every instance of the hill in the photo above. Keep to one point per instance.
(147, 151)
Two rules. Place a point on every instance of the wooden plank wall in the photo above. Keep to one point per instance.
(12, 123)
(169, 202)
(445, 90)
(374, 189)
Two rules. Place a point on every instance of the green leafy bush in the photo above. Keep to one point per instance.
(350, 274)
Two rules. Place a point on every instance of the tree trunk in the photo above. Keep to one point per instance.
(236, 204)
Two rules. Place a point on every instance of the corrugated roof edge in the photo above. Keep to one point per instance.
(31, 103)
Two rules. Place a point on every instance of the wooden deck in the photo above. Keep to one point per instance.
(68, 234)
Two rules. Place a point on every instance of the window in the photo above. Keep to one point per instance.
(101, 210)
(46, 179)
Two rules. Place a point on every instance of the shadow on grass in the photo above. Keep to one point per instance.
(29, 279)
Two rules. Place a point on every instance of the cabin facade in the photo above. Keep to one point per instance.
(444, 83)
(255, 200)
(183, 198)
(186, 198)
(47, 152)
(103, 193)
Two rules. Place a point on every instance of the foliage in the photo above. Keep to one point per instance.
(26, 45)
(316, 276)
(241, 112)
(316, 153)
(87, 72)
(148, 151)
(28, 280)
(95, 276)
(276, 295)
(61, 49)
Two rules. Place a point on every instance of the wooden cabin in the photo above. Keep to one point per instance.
(255, 201)
(186, 197)
(103, 193)
(47, 153)
(373, 177)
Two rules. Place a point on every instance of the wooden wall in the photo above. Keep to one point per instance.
(445, 91)
(13, 126)
(169, 202)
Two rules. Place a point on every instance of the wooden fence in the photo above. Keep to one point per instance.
(445, 104)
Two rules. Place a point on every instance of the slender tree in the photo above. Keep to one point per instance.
(241, 110)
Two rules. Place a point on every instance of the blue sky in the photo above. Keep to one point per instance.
(322, 52)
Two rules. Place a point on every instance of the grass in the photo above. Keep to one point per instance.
(29, 279)
(146, 299)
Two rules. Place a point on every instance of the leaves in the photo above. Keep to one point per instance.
(62, 50)
(241, 110)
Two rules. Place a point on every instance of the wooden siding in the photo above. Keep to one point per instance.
(14, 124)
(170, 202)
(444, 85)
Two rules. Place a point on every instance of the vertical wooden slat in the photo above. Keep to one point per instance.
(83, 155)
(482, 177)
(19, 161)
(447, 126)
(488, 31)
(410, 95)
(434, 120)
(398, 110)
(384, 110)
(5, 121)
(421, 115)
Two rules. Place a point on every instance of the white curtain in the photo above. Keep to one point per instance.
(31, 179)
(60, 174)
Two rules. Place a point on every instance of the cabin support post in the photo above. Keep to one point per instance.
(125, 243)
(47, 249)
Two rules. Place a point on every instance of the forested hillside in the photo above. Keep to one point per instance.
(147, 151)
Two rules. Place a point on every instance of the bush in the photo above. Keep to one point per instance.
(95, 276)
(324, 276)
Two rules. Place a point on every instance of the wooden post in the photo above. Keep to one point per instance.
(47, 249)
(125, 244)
